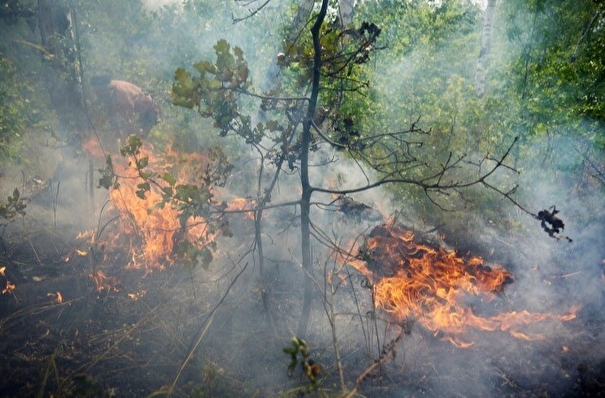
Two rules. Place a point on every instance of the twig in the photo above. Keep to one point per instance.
(202, 332)
(328, 304)
(29, 241)
(251, 14)
(387, 353)
(593, 165)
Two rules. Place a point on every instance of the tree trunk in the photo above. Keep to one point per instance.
(300, 19)
(486, 39)
(63, 71)
(307, 189)
(345, 12)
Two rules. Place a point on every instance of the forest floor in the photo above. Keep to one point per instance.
(67, 331)
(62, 336)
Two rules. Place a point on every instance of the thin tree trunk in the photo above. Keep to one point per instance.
(307, 189)
(486, 42)
(300, 19)
(63, 67)
(345, 12)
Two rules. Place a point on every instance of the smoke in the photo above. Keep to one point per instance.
(550, 275)
(560, 183)
(155, 5)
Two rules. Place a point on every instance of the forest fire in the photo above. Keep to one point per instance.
(154, 230)
(104, 282)
(414, 281)
(243, 205)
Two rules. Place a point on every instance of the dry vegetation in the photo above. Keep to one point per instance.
(219, 332)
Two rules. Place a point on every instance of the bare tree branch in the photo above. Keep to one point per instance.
(251, 13)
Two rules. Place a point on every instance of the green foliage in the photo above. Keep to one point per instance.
(308, 366)
(195, 203)
(417, 25)
(558, 72)
(15, 206)
(24, 101)
(425, 79)
(191, 255)
(14, 108)
(344, 108)
(213, 91)
(108, 179)
(422, 78)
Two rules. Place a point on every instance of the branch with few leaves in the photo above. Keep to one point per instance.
(250, 13)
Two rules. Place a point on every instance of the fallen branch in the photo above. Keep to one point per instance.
(388, 352)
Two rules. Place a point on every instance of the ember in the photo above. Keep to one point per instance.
(8, 285)
(418, 282)
(104, 282)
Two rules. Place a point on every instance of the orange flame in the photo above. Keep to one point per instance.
(93, 147)
(104, 282)
(155, 231)
(242, 204)
(414, 281)
(8, 285)
(151, 231)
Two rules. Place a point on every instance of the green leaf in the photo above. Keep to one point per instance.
(222, 46)
(143, 188)
(183, 79)
(169, 178)
(272, 125)
(205, 66)
(142, 163)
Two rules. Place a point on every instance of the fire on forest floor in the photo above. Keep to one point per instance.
(130, 340)
(78, 321)
(150, 224)
(416, 282)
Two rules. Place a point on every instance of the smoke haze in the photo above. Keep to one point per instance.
(242, 341)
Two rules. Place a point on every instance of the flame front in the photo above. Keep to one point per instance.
(153, 232)
(156, 230)
(414, 281)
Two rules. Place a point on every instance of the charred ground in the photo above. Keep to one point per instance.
(62, 335)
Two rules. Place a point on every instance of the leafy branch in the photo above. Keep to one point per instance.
(15, 206)
(311, 369)
(194, 202)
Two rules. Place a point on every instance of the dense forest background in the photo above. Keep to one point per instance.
(539, 77)
(461, 119)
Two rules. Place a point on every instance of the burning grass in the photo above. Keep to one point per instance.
(415, 281)
(122, 331)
